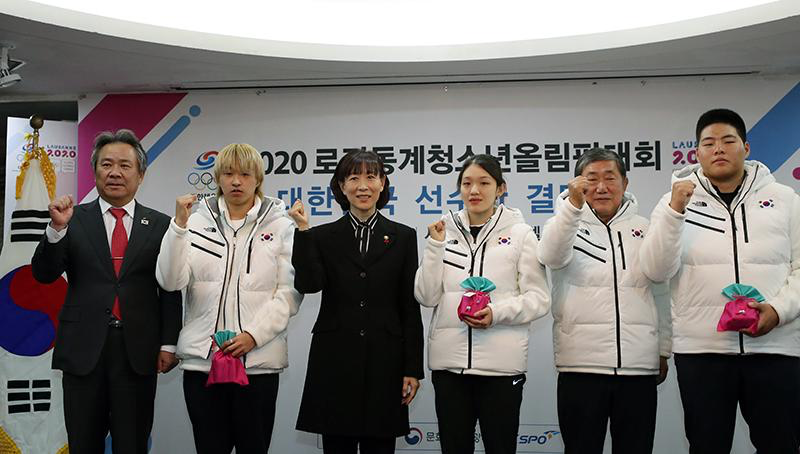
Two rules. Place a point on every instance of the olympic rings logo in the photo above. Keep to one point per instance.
(202, 181)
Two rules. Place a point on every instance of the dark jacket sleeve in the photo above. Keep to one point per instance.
(410, 312)
(171, 315)
(309, 273)
(50, 259)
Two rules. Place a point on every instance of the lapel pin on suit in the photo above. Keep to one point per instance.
(145, 221)
(386, 239)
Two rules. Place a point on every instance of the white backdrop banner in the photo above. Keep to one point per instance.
(537, 130)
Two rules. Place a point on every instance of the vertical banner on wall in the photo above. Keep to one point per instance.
(59, 139)
(424, 133)
(31, 417)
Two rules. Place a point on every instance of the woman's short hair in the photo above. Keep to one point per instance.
(240, 156)
(356, 162)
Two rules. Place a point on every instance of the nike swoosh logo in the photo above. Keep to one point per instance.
(516, 381)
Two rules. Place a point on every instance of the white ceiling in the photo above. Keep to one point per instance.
(63, 62)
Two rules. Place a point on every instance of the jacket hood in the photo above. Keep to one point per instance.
(628, 208)
(457, 223)
(270, 209)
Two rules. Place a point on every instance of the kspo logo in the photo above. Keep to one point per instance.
(414, 437)
(201, 179)
(540, 439)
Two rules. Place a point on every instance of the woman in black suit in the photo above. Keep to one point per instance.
(365, 360)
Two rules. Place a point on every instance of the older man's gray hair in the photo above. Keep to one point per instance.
(599, 154)
(121, 136)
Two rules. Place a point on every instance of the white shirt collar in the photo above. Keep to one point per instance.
(129, 208)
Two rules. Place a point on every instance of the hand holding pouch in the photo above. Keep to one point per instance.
(476, 296)
(224, 367)
(737, 314)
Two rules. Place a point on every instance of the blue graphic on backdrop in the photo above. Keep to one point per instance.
(776, 136)
(172, 133)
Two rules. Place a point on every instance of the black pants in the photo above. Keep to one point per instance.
(336, 444)
(227, 415)
(112, 397)
(766, 388)
(586, 403)
(463, 400)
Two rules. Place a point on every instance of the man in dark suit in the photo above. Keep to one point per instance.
(117, 327)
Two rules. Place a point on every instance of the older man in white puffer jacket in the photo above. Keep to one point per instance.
(610, 341)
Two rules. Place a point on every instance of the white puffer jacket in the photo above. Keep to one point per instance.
(239, 280)
(505, 253)
(605, 317)
(755, 242)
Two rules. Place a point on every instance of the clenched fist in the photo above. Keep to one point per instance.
(183, 208)
(60, 212)
(299, 215)
(436, 230)
(577, 188)
(681, 194)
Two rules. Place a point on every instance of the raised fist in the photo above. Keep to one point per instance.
(298, 213)
(681, 195)
(60, 212)
(183, 208)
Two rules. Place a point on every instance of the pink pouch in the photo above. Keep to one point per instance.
(471, 302)
(738, 316)
(226, 369)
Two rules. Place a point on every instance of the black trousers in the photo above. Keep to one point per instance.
(336, 444)
(586, 403)
(462, 400)
(227, 415)
(766, 388)
(112, 397)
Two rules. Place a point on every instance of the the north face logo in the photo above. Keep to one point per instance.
(452, 242)
(584, 231)
(699, 203)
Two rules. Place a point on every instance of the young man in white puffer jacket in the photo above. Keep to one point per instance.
(233, 258)
(727, 221)
(611, 336)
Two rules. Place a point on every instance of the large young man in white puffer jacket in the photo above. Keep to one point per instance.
(727, 221)
(233, 258)
(611, 336)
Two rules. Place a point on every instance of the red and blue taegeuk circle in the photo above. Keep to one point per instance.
(29, 312)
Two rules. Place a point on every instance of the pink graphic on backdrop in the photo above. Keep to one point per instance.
(138, 112)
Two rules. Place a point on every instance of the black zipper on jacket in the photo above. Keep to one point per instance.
(616, 299)
(621, 249)
(736, 270)
(731, 211)
(239, 315)
(461, 229)
(744, 225)
(249, 253)
(224, 276)
(614, 268)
